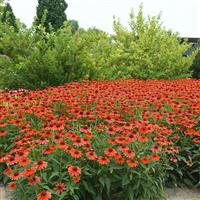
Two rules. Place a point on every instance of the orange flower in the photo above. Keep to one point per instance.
(91, 155)
(144, 160)
(44, 195)
(76, 153)
(143, 138)
(12, 185)
(155, 157)
(110, 152)
(34, 180)
(7, 171)
(60, 187)
(75, 179)
(196, 140)
(10, 160)
(15, 176)
(103, 160)
(74, 170)
(132, 163)
(24, 161)
(40, 164)
(29, 172)
(120, 161)
(156, 148)
(129, 154)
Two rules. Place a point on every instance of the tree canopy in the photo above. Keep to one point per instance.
(51, 13)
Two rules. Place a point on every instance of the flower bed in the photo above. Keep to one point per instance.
(98, 140)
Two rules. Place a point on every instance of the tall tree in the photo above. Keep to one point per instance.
(8, 16)
(51, 12)
(74, 25)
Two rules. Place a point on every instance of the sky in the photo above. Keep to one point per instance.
(182, 16)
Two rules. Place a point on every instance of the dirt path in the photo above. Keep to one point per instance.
(173, 194)
(183, 194)
(2, 193)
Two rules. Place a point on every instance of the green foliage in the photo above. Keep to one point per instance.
(74, 25)
(8, 16)
(95, 49)
(196, 63)
(33, 59)
(148, 51)
(54, 11)
(39, 57)
(1, 6)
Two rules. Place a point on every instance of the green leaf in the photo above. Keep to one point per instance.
(88, 187)
(102, 181)
(125, 180)
(130, 193)
(108, 183)
(53, 175)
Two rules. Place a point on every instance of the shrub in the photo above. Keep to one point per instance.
(32, 58)
(196, 63)
(95, 48)
(148, 50)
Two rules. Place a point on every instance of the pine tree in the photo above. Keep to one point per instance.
(52, 12)
(8, 16)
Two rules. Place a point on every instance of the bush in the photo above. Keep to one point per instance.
(32, 58)
(196, 63)
(95, 48)
(148, 50)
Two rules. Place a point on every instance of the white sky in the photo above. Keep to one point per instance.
(181, 16)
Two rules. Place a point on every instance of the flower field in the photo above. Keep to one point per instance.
(100, 140)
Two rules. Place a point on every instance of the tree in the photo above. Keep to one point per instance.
(51, 13)
(8, 16)
(74, 25)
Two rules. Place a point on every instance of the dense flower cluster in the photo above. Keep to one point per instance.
(130, 123)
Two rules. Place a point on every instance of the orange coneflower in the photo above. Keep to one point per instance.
(110, 152)
(44, 195)
(132, 163)
(73, 170)
(29, 172)
(40, 164)
(120, 161)
(75, 179)
(34, 180)
(24, 161)
(3, 133)
(12, 185)
(143, 138)
(144, 160)
(10, 160)
(155, 157)
(16, 175)
(129, 154)
(103, 160)
(91, 155)
(49, 149)
(7, 171)
(156, 148)
(42, 140)
(60, 187)
(76, 153)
